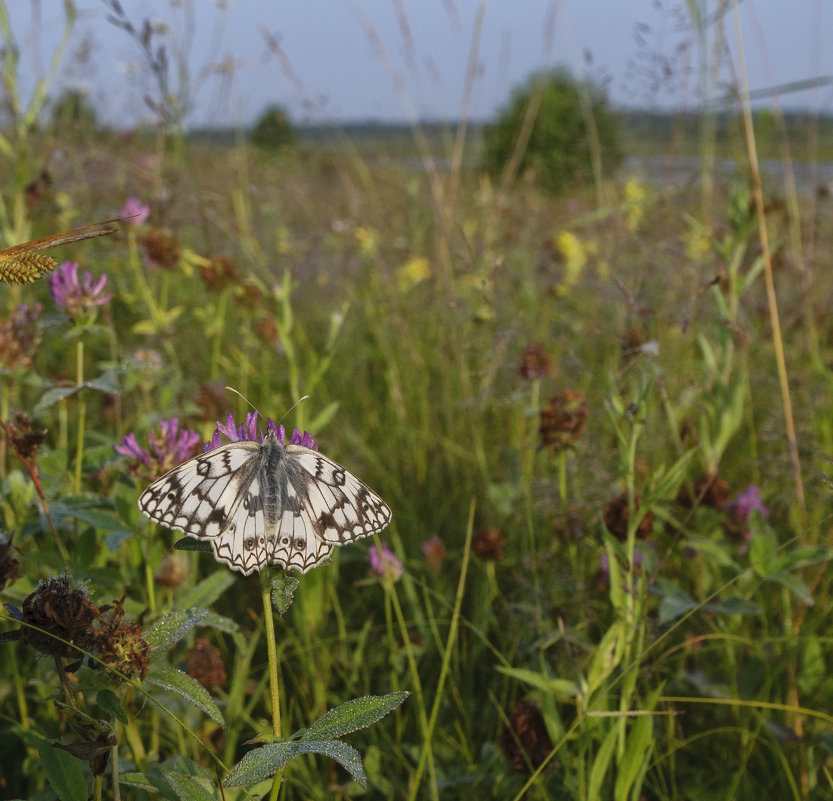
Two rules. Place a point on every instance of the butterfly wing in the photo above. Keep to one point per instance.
(339, 507)
(210, 497)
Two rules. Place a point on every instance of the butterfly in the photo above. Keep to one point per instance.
(262, 503)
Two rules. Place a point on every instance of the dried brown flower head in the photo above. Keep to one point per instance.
(59, 608)
(563, 420)
(219, 273)
(212, 400)
(535, 362)
(489, 544)
(162, 249)
(23, 438)
(20, 336)
(435, 553)
(525, 741)
(707, 490)
(118, 643)
(267, 331)
(204, 664)
(616, 515)
(173, 570)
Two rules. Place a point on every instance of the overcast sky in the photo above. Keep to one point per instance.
(398, 59)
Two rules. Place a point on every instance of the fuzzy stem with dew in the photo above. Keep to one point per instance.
(274, 686)
(82, 411)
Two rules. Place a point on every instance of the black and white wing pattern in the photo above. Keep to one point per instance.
(266, 503)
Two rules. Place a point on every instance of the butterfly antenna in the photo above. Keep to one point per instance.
(303, 398)
(244, 398)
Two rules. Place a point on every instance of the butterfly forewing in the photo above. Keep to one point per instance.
(261, 503)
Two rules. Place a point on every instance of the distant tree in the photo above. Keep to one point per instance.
(73, 114)
(274, 130)
(559, 149)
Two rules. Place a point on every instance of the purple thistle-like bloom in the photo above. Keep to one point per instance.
(748, 500)
(75, 296)
(387, 564)
(134, 208)
(250, 431)
(174, 446)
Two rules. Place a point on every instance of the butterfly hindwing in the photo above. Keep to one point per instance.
(263, 503)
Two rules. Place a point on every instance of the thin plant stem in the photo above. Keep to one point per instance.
(772, 301)
(449, 647)
(82, 411)
(274, 687)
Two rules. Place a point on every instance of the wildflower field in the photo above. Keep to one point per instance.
(601, 423)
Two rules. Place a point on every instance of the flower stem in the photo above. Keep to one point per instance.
(82, 411)
(272, 651)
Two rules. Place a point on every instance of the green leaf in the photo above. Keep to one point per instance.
(188, 789)
(221, 623)
(601, 763)
(564, 688)
(795, 585)
(169, 630)
(735, 606)
(208, 590)
(116, 537)
(813, 668)
(630, 769)
(190, 544)
(64, 772)
(191, 690)
(347, 756)
(608, 655)
(806, 555)
(355, 714)
(144, 781)
(108, 702)
(106, 382)
(283, 590)
(261, 763)
(675, 600)
(52, 396)
(762, 552)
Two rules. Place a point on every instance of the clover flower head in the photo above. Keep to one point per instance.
(175, 445)
(74, 296)
(250, 431)
(747, 501)
(385, 564)
(136, 210)
(19, 337)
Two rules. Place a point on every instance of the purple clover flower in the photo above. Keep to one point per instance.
(249, 431)
(747, 501)
(133, 207)
(174, 446)
(74, 296)
(387, 564)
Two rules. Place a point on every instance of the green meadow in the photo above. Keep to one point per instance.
(602, 422)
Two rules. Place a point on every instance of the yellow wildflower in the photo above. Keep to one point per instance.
(575, 257)
(634, 203)
(366, 238)
(412, 273)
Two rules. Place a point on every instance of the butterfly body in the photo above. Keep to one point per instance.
(266, 503)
